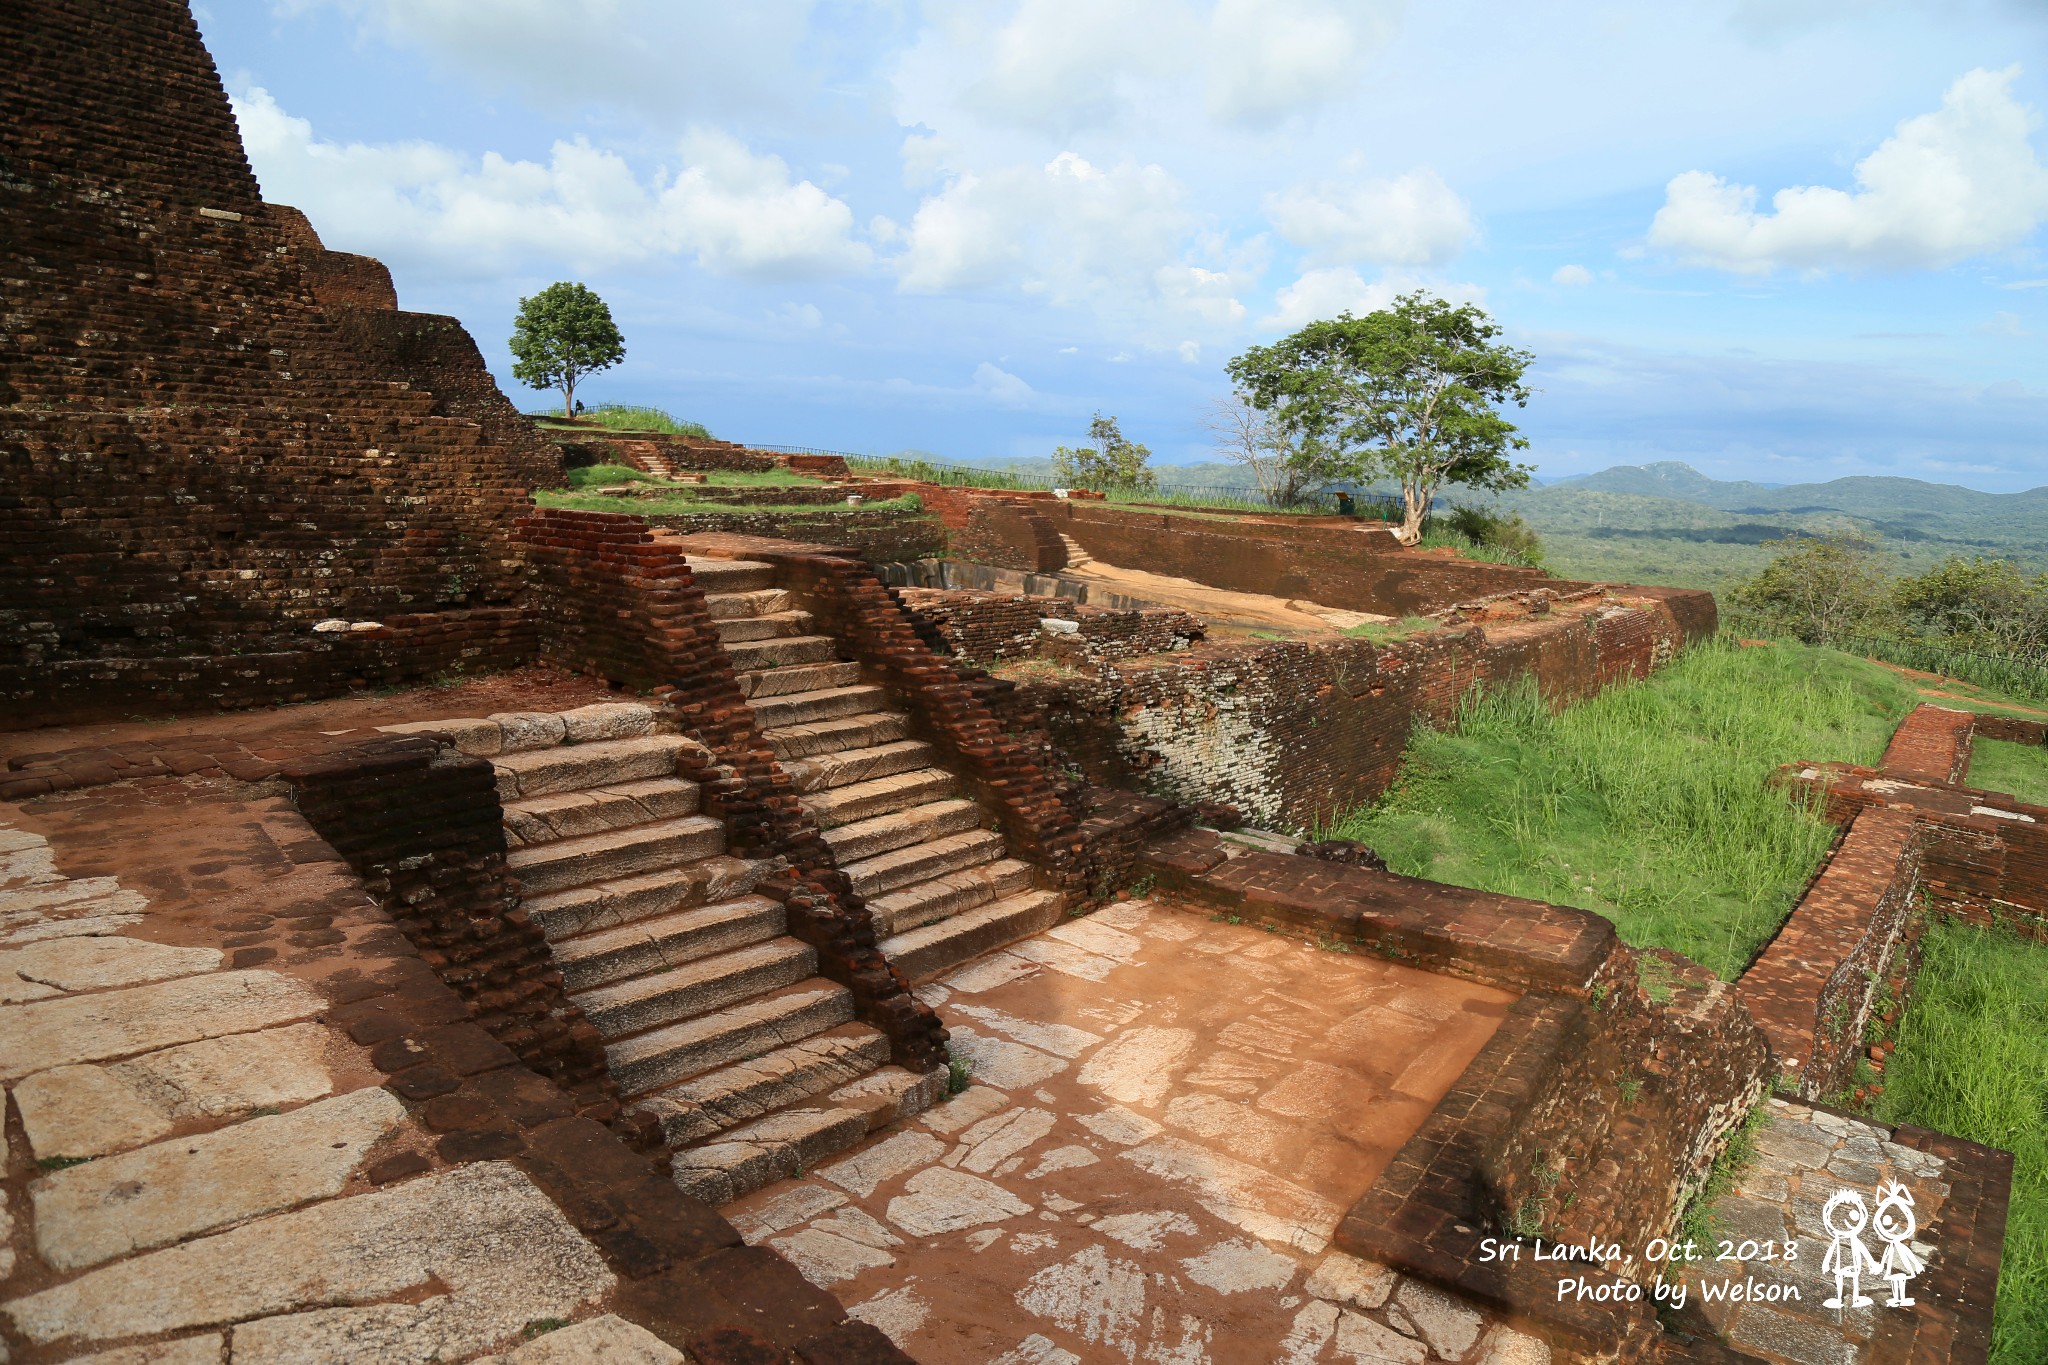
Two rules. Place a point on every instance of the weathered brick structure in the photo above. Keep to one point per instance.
(216, 435)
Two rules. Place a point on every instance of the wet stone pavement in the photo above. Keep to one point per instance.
(1167, 1116)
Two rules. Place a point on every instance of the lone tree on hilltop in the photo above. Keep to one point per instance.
(1112, 462)
(562, 334)
(1410, 393)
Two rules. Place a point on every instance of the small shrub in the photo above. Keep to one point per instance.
(956, 1074)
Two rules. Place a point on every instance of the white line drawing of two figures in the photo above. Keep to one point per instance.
(1844, 1216)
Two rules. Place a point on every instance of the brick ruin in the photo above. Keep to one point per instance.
(772, 949)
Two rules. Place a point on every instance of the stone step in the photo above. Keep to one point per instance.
(899, 829)
(902, 867)
(731, 575)
(709, 1104)
(924, 953)
(627, 900)
(573, 767)
(615, 853)
(849, 766)
(752, 1028)
(787, 1143)
(595, 959)
(667, 997)
(726, 606)
(878, 796)
(790, 649)
(831, 703)
(567, 815)
(778, 625)
(797, 678)
(948, 894)
(821, 738)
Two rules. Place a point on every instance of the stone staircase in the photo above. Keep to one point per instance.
(1076, 556)
(714, 1019)
(940, 885)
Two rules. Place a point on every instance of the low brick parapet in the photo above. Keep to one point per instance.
(1932, 743)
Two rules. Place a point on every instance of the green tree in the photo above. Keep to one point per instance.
(1112, 462)
(1247, 436)
(1978, 603)
(1821, 587)
(562, 334)
(1410, 393)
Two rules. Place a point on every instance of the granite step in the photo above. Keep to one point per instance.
(741, 1092)
(790, 649)
(670, 995)
(731, 575)
(785, 1144)
(820, 739)
(627, 900)
(831, 703)
(923, 953)
(615, 853)
(750, 1028)
(865, 838)
(568, 815)
(725, 606)
(791, 679)
(597, 959)
(573, 767)
(777, 625)
(848, 766)
(885, 872)
(948, 894)
(878, 796)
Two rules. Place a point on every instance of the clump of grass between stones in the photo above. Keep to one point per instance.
(957, 1072)
(542, 1326)
(1650, 803)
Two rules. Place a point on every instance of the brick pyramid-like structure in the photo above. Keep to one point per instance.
(214, 434)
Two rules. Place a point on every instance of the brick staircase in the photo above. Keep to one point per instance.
(714, 1019)
(938, 882)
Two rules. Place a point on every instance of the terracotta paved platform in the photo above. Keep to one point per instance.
(1167, 1117)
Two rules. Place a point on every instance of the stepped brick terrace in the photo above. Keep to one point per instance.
(439, 924)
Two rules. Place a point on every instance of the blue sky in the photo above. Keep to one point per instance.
(1777, 239)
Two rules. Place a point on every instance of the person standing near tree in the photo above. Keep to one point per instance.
(562, 334)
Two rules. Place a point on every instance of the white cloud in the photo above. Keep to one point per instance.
(1117, 239)
(2003, 324)
(1573, 275)
(1331, 290)
(1061, 66)
(1269, 58)
(736, 212)
(657, 57)
(1002, 386)
(1413, 219)
(1959, 182)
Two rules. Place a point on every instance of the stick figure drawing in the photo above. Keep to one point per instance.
(1844, 1216)
(1894, 1223)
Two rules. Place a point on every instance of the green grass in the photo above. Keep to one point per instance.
(683, 506)
(1972, 1060)
(626, 417)
(2000, 765)
(607, 475)
(1386, 632)
(1648, 803)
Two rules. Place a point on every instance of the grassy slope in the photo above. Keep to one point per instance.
(1648, 803)
(2002, 766)
(1972, 1060)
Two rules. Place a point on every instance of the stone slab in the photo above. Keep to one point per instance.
(172, 1190)
(85, 1111)
(111, 1024)
(608, 1340)
(84, 964)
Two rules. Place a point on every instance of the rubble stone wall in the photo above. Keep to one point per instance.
(1295, 733)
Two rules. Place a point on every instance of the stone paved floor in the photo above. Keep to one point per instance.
(1167, 1117)
(1804, 1157)
(190, 1147)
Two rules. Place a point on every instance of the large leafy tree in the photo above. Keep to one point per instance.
(1979, 603)
(562, 334)
(1410, 394)
(1112, 462)
(1821, 587)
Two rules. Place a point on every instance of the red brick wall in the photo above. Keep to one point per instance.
(1932, 743)
(196, 469)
